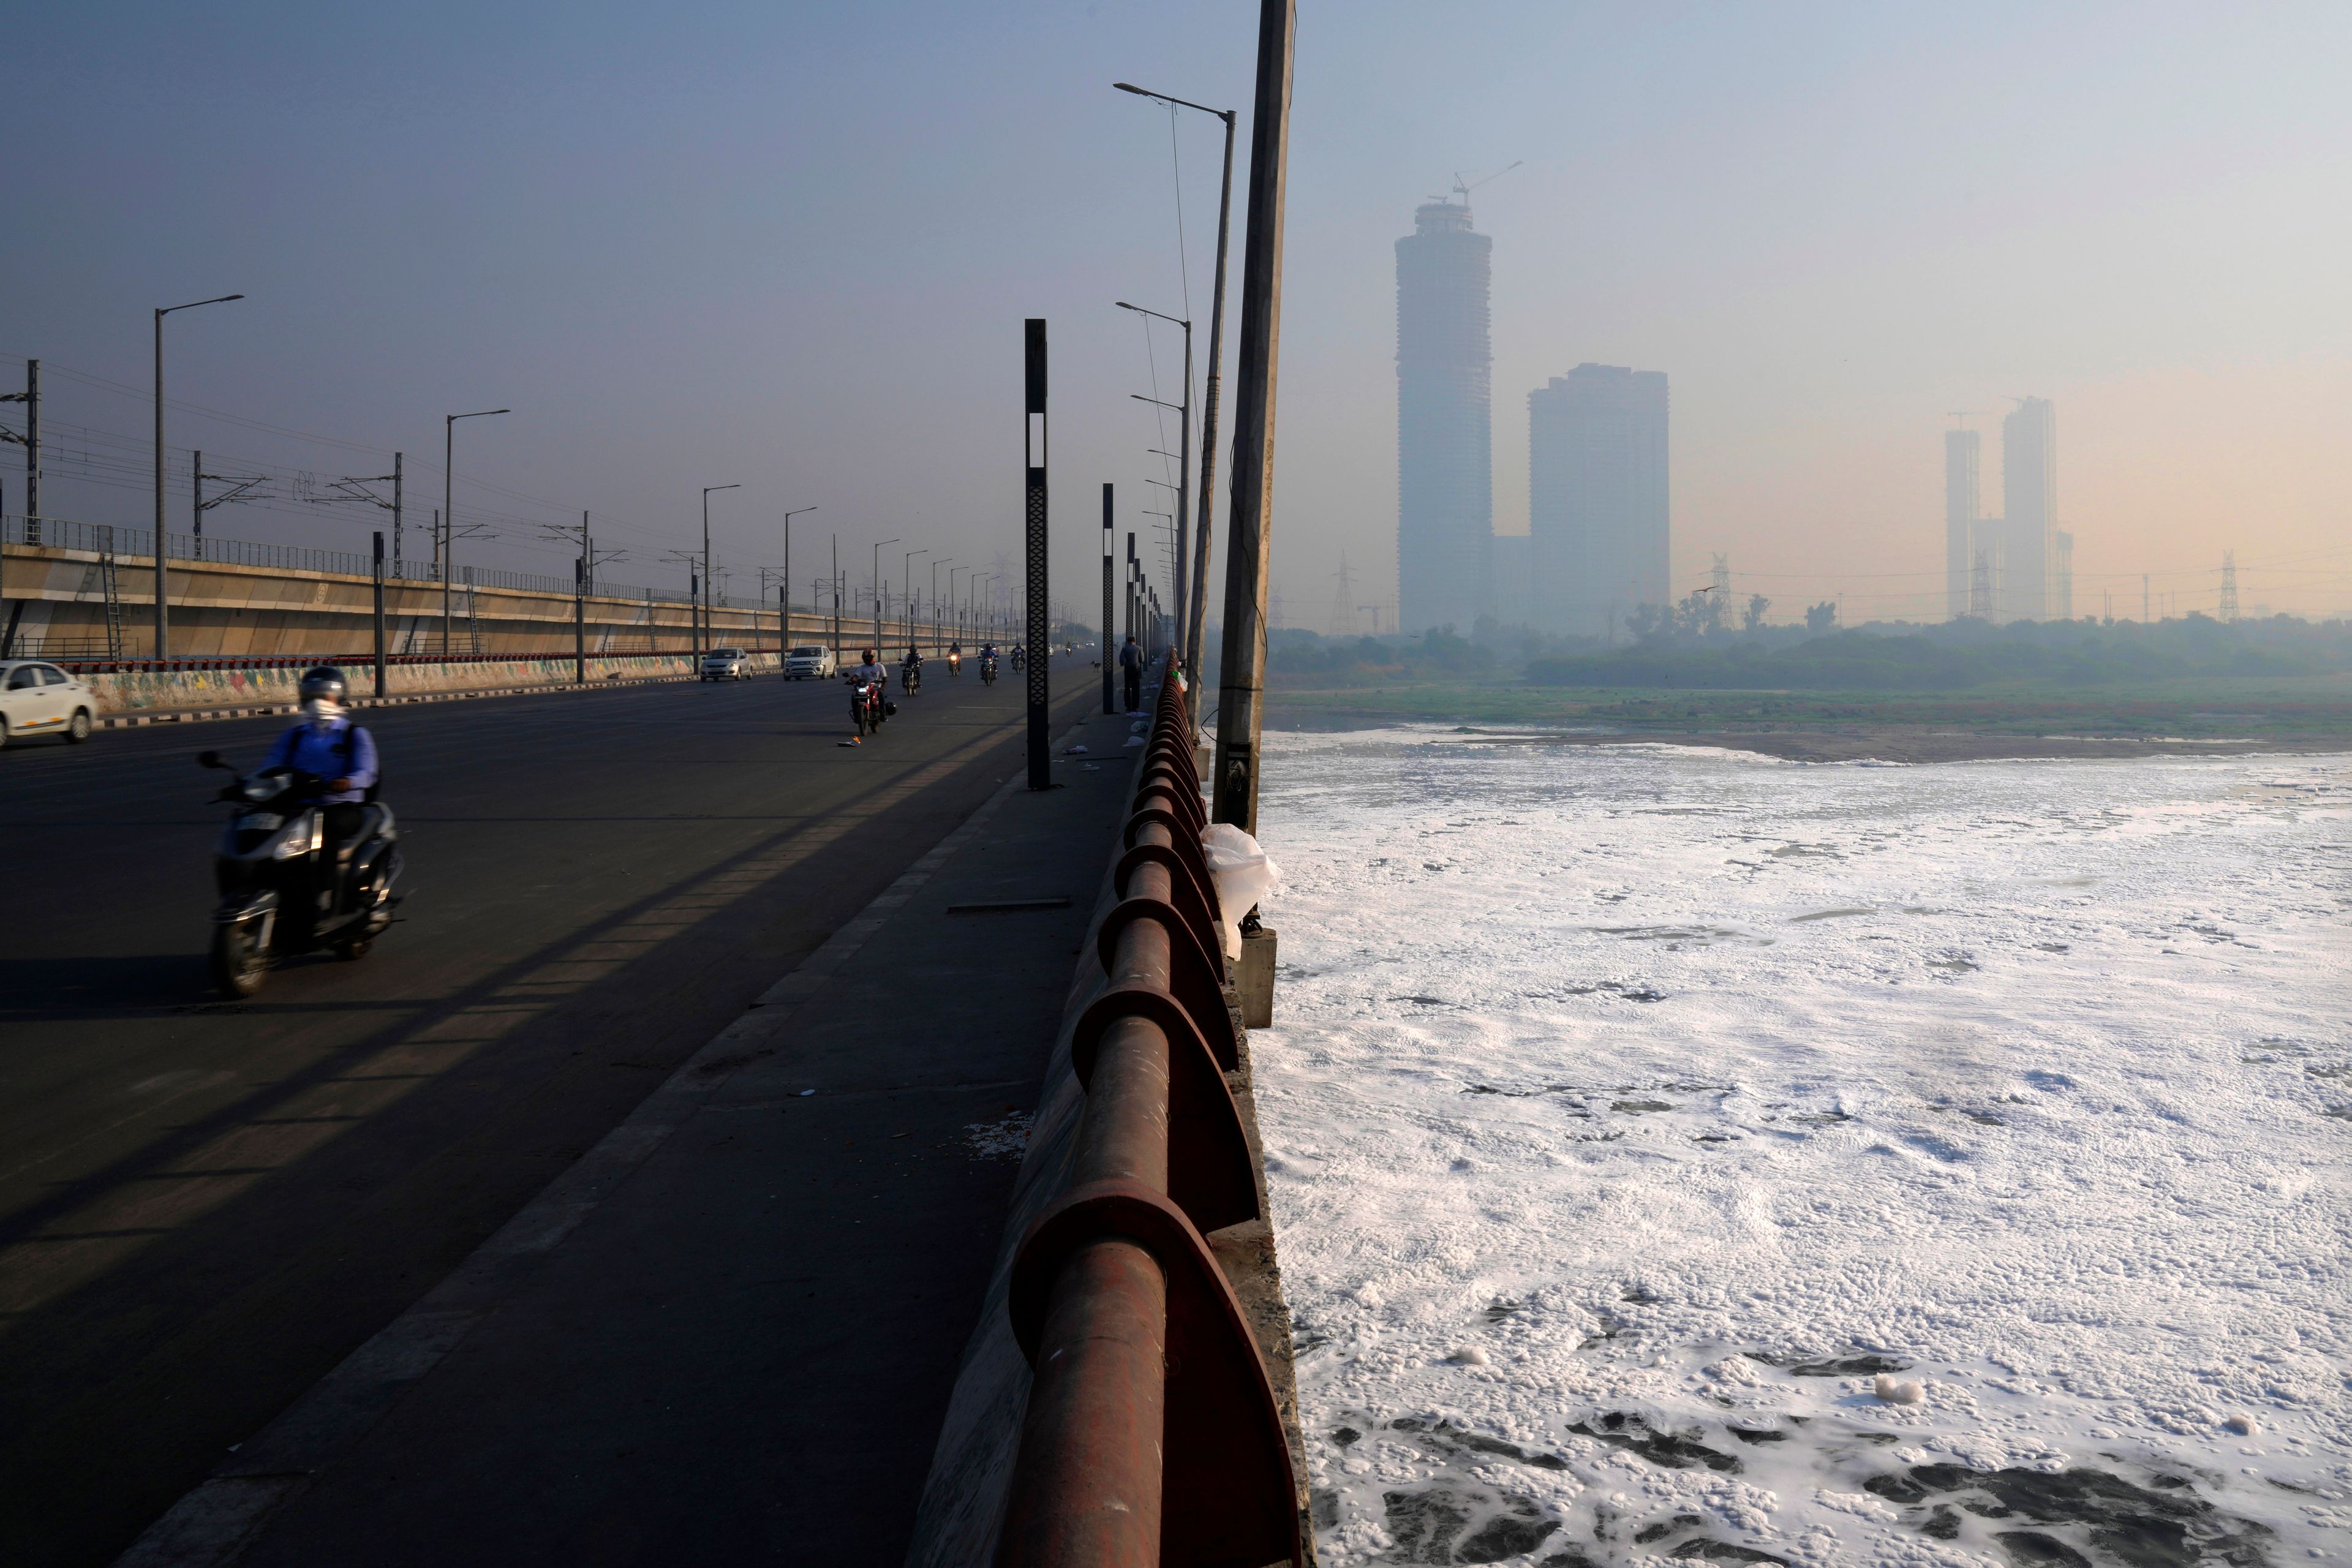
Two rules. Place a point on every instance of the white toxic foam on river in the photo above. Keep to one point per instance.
(1683, 1154)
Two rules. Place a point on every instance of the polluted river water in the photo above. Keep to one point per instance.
(1684, 1154)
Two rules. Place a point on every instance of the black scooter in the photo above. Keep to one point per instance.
(283, 892)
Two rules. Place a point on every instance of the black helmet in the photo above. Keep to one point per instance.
(324, 680)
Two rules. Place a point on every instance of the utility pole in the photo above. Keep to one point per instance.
(1107, 650)
(1241, 715)
(2143, 600)
(31, 441)
(836, 597)
(1032, 435)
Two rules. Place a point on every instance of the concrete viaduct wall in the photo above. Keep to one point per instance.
(53, 604)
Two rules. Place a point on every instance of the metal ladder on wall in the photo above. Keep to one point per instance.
(113, 604)
(100, 578)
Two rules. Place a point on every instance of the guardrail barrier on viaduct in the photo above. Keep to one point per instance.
(1153, 1435)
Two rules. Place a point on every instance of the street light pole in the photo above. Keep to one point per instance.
(709, 636)
(1196, 630)
(788, 573)
(450, 511)
(950, 561)
(877, 597)
(906, 580)
(1184, 446)
(162, 538)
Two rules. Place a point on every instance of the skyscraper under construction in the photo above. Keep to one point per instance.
(1445, 493)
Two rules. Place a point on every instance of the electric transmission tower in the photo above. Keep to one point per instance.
(1723, 579)
(2229, 585)
(1980, 587)
(1343, 615)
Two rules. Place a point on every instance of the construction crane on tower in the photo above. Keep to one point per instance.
(1463, 187)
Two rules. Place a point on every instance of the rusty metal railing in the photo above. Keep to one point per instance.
(1153, 1435)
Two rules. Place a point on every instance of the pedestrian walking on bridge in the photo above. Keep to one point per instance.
(1131, 661)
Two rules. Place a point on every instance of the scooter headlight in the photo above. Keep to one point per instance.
(293, 841)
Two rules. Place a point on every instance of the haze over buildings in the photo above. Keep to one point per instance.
(2017, 566)
(607, 218)
(1445, 481)
(1598, 497)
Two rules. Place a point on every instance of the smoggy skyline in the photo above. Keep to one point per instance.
(792, 251)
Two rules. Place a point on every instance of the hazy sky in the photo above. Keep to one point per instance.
(791, 246)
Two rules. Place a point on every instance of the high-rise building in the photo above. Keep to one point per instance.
(1446, 488)
(1597, 499)
(1962, 502)
(2029, 493)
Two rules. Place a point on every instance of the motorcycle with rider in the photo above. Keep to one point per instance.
(309, 856)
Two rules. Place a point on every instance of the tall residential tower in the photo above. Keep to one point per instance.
(1963, 504)
(1445, 493)
(1597, 501)
(2028, 498)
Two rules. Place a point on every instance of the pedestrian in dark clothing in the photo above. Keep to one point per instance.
(1130, 662)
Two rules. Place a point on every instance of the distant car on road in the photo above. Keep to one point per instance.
(37, 699)
(810, 662)
(727, 664)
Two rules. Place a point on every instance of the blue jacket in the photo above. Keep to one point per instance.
(321, 752)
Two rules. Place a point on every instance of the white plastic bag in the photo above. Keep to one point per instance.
(1244, 875)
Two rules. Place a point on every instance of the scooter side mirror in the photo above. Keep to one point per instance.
(209, 760)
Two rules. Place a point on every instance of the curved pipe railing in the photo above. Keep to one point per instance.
(1152, 1434)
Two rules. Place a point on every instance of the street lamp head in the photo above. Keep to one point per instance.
(708, 488)
(215, 299)
(477, 414)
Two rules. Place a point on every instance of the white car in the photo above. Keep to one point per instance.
(810, 661)
(727, 664)
(37, 699)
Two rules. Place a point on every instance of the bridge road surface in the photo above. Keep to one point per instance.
(205, 1204)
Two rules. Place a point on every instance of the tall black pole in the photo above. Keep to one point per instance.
(447, 545)
(1032, 442)
(1109, 652)
(1241, 713)
(379, 613)
(32, 451)
(580, 608)
(163, 582)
